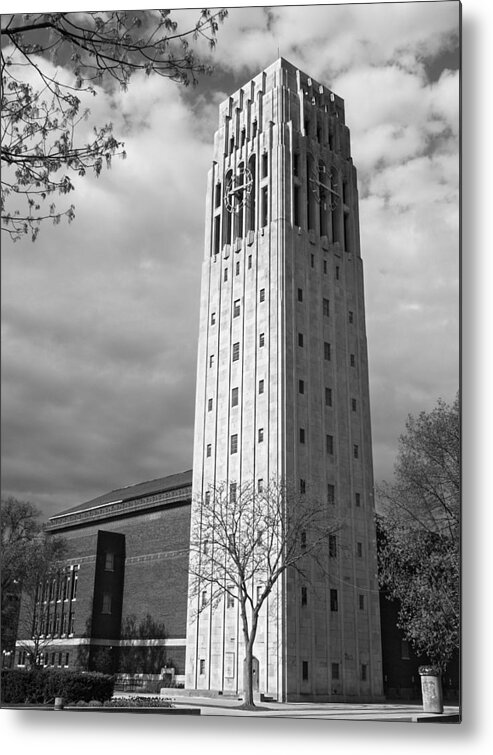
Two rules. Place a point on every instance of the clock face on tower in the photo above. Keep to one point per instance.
(238, 188)
(324, 186)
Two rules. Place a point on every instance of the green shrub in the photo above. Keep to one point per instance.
(43, 685)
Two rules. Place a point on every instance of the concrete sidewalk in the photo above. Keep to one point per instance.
(393, 712)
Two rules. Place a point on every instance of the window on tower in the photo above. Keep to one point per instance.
(302, 434)
(300, 339)
(262, 294)
(234, 444)
(264, 164)
(327, 351)
(234, 397)
(260, 386)
(236, 351)
(301, 386)
(332, 546)
(329, 444)
(261, 435)
(328, 397)
(261, 340)
(264, 206)
(331, 494)
(236, 308)
(326, 307)
(334, 602)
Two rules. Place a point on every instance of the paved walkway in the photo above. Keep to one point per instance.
(335, 711)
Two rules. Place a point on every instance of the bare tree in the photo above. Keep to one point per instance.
(50, 63)
(244, 540)
(43, 582)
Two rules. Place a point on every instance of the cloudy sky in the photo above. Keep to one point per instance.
(100, 317)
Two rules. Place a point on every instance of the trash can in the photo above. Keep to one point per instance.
(431, 689)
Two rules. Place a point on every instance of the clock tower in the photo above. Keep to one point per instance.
(282, 384)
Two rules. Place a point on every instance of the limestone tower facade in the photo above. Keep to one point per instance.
(282, 350)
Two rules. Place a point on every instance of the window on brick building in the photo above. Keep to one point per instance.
(106, 608)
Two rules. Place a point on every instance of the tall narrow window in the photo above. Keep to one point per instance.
(356, 451)
(249, 261)
(217, 234)
(211, 360)
(304, 671)
(300, 339)
(217, 195)
(302, 434)
(332, 546)
(359, 550)
(262, 294)
(225, 277)
(300, 294)
(352, 360)
(236, 308)
(261, 435)
(310, 194)
(106, 608)
(353, 404)
(331, 494)
(254, 129)
(304, 596)
(251, 199)
(335, 671)
(263, 207)
(296, 164)
(326, 307)
(209, 405)
(260, 386)
(328, 397)
(361, 602)
(296, 206)
(261, 340)
(357, 499)
(232, 492)
(238, 268)
(209, 450)
(265, 164)
(234, 397)
(301, 386)
(364, 672)
(260, 485)
(213, 318)
(350, 317)
(334, 603)
(329, 444)
(234, 444)
(236, 351)
(302, 492)
(327, 351)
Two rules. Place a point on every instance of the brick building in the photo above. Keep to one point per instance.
(122, 587)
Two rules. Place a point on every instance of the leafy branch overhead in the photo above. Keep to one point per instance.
(51, 63)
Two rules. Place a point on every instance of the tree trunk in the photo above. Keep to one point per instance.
(248, 676)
